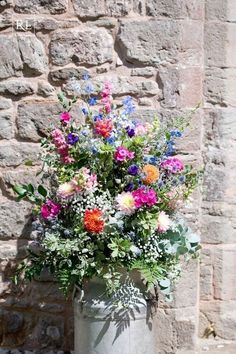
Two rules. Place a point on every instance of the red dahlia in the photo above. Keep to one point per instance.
(93, 221)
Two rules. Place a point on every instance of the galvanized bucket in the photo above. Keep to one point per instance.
(103, 328)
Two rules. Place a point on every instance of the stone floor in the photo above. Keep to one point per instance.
(206, 346)
(217, 347)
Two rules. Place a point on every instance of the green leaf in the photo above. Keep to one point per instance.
(42, 191)
(20, 190)
(30, 188)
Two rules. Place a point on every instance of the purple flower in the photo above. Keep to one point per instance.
(130, 132)
(72, 139)
(92, 101)
(129, 187)
(133, 170)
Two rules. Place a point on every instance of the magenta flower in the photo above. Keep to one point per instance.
(173, 165)
(123, 154)
(50, 209)
(143, 196)
(65, 117)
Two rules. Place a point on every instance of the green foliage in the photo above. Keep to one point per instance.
(152, 273)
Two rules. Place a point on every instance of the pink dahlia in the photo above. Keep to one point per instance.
(50, 209)
(123, 154)
(173, 165)
(143, 196)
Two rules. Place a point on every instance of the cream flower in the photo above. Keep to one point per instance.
(163, 222)
(66, 190)
(125, 203)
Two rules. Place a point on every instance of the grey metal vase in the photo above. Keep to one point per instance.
(103, 328)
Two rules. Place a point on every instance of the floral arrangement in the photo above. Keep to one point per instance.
(114, 185)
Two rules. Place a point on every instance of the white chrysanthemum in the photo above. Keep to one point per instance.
(125, 203)
(163, 222)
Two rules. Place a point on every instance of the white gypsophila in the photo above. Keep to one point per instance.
(93, 199)
(150, 250)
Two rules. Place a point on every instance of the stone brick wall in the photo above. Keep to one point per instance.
(153, 50)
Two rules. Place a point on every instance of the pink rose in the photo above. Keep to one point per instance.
(50, 209)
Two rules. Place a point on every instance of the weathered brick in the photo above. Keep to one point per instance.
(175, 329)
(5, 103)
(14, 219)
(215, 229)
(221, 44)
(61, 75)
(177, 10)
(225, 272)
(223, 316)
(6, 125)
(216, 10)
(161, 42)
(97, 8)
(10, 59)
(36, 6)
(33, 55)
(82, 46)
(34, 118)
(22, 175)
(15, 154)
(17, 87)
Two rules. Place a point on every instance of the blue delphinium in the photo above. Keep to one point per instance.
(89, 88)
(92, 101)
(128, 104)
(97, 117)
(111, 139)
(72, 139)
(176, 133)
(153, 160)
(86, 77)
(182, 179)
(170, 148)
(85, 111)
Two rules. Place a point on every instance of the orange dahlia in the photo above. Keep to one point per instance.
(104, 127)
(93, 222)
(151, 174)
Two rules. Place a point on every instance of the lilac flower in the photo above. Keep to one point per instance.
(72, 139)
(92, 101)
(133, 170)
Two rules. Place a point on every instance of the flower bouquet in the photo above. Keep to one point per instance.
(113, 187)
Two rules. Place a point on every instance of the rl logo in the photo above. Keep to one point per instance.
(23, 25)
